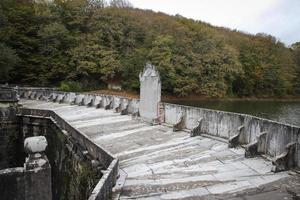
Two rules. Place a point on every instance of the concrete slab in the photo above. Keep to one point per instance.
(274, 195)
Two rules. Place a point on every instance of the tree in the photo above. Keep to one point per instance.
(92, 42)
(54, 40)
(22, 25)
(94, 63)
(161, 56)
(296, 51)
(8, 59)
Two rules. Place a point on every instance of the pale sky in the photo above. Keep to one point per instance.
(280, 18)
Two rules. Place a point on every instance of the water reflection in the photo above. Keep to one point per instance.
(282, 111)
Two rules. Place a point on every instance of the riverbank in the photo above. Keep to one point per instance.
(132, 94)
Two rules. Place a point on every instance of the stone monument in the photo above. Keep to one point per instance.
(150, 94)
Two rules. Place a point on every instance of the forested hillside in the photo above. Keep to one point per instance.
(84, 44)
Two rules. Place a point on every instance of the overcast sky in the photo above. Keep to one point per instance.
(280, 18)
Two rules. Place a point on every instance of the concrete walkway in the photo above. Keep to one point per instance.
(161, 164)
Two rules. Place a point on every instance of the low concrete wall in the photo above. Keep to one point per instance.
(245, 129)
(12, 183)
(227, 124)
(119, 103)
(30, 182)
(103, 190)
(74, 173)
(104, 187)
(11, 144)
(8, 95)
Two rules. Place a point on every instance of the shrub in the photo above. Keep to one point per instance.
(70, 86)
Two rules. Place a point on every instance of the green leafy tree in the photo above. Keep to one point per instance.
(161, 56)
(93, 62)
(296, 51)
(54, 39)
(8, 59)
(87, 43)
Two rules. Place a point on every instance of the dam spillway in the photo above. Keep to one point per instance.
(146, 149)
(158, 163)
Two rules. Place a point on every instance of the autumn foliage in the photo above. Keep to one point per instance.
(87, 43)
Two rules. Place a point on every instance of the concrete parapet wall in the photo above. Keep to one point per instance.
(104, 187)
(82, 99)
(26, 92)
(227, 124)
(12, 182)
(31, 182)
(8, 95)
(69, 98)
(107, 182)
(238, 128)
(10, 142)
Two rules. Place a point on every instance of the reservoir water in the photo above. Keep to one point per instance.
(281, 111)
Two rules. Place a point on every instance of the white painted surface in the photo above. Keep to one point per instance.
(150, 93)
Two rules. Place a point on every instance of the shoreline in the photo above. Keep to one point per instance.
(131, 94)
(197, 98)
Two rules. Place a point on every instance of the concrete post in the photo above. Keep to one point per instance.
(150, 94)
(37, 173)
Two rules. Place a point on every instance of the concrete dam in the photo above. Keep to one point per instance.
(112, 147)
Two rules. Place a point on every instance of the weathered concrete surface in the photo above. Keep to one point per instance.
(271, 137)
(161, 164)
(12, 183)
(10, 143)
(31, 182)
(35, 144)
(77, 162)
(37, 178)
(8, 95)
(150, 93)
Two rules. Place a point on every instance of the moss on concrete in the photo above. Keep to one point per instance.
(72, 173)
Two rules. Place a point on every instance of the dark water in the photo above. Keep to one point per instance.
(282, 111)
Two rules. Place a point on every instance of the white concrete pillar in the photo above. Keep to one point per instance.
(37, 170)
(150, 94)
